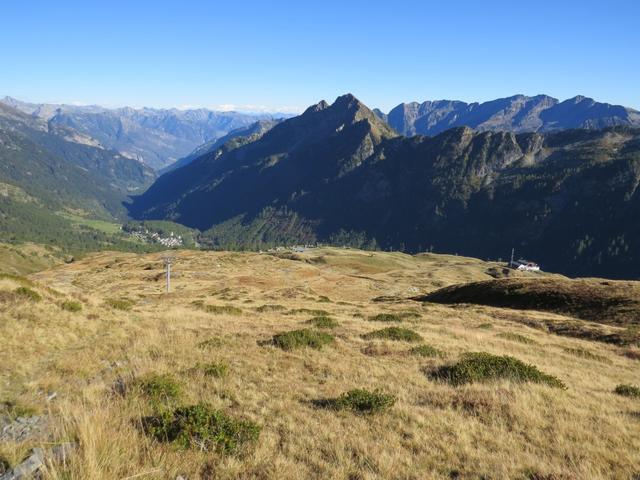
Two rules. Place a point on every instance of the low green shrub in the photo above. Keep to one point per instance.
(386, 317)
(216, 370)
(308, 311)
(71, 306)
(516, 337)
(426, 351)
(161, 389)
(25, 293)
(485, 326)
(359, 401)
(203, 427)
(119, 303)
(322, 322)
(394, 333)
(628, 390)
(271, 308)
(223, 309)
(483, 367)
(302, 338)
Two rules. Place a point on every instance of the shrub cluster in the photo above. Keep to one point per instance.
(628, 390)
(216, 370)
(302, 338)
(426, 351)
(359, 401)
(161, 389)
(119, 303)
(71, 306)
(271, 308)
(482, 367)
(223, 309)
(393, 333)
(203, 427)
(386, 317)
(25, 293)
(322, 322)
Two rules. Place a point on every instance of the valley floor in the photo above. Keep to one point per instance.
(225, 308)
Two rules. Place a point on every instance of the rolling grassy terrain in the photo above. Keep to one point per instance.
(308, 365)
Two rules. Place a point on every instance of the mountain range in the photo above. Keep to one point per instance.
(156, 137)
(518, 113)
(338, 173)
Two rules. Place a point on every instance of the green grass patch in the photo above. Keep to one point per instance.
(309, 311)
(223, 309)
(203, 427)
(516, 337)
(632, 391)
(322, 322)
(119, 303)
(302, 338)
(485, 326)
(359, 401)
(484, 367)
(71, 306)
(25, 282)
(215, 370)
(583, 353)
(426, 351)
(271, 308)
(25, 293)
(14, 409)
(161, 389)
(386, 317)
(394, 333)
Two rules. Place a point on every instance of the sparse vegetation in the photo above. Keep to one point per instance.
(215, 370)
(628, 390)
(214, 342)
(583, 353)
(223, 309)
(322, 322)
(359, 401)
(393, 333)
(203, 427)
(161, 389)
(483, 367)
(302, 338)
(271, 308)
(516, 337)
(119, 303)
(26, 293)
(386, 317)
(308, 311)
(426, 351)
(485, 326)
(71, 306)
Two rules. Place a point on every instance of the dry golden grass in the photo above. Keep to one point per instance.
(498, 430)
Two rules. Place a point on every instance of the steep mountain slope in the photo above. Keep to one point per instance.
(568, 199)
(233, 139)
(158, 137)
(515, 114)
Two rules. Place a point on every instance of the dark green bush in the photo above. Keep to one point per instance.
(386, 317)
(359, 401)
(628, 391)
(271, 308)
(483, 367)
(322, 322)
(119, 303)
(302, 338)
(394, 333)
(71, 306)
(426, 351)
(515, 337)
(26, 293)
(203, 427)
(223, 309)
(161, 389)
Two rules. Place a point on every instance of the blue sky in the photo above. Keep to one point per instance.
(285, 55)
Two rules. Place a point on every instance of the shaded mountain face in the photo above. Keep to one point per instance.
(157, 137)
(338, 173)
(514, 114)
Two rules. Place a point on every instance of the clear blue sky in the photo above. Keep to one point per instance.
(289, 54)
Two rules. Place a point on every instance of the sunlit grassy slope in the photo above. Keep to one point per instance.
(211, 336)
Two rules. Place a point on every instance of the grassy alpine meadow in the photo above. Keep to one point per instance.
(257, 366)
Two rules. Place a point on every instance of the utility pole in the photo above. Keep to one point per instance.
(513, 251)
(167, 265)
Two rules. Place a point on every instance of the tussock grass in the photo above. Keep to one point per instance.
(302, 338)
(386, 317)
(203, 427)
(393, 333)
(628, 391)
(26, 293)
(516, 337)
(71, 306)
(322, 322)
(214, 342)
(587, 354)
(426, 351)
(485, 326)
(161, 389)
(119, 303)
(214, 369)
(484, 367)
(359, 401)
(309, 311)
(223, 309)
(271, 308)
(14, 409)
